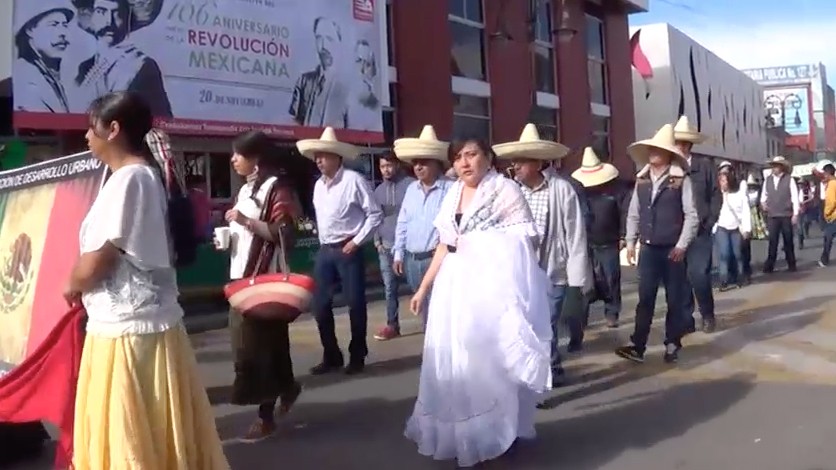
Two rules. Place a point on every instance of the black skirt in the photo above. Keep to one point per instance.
(261, 352)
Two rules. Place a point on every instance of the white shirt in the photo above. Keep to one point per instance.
(796, 205)
(345, 208)
(240, 238)
(140, 295)
(735, 213)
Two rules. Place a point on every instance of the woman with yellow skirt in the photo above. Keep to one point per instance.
(140, 403)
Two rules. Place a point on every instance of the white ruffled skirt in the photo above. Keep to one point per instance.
(486, 351)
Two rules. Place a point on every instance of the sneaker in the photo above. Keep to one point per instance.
(630, 353)
(822, 265)
(672, 353)
(325, 368)
(259, 431)
(386, 333)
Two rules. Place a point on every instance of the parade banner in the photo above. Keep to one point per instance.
(288, 67)
(41, 210)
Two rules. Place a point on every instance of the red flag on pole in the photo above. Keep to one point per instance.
(42, 388)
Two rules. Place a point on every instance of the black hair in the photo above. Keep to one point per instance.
(482, 145)
(134, 116)
(373, 60)
(390, 157)
(829, 169)
(258, 147)
(336, 26)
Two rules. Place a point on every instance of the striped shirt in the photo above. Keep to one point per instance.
(415, 231)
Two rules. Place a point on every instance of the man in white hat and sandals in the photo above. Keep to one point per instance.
(347, 216)
(556, 209)
(415, 234)
(662, 217)
(781, 205)
(608, 199)
(708, 200)
(389, 194)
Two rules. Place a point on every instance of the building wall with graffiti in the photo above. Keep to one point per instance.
(673, 75)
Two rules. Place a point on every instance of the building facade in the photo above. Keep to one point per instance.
(798, 99)
(680, 77)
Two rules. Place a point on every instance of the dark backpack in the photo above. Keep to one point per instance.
(181, 220)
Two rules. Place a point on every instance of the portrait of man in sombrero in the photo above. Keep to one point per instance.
(118, 63)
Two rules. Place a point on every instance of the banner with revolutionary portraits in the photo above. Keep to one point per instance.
(288, 67)
(41, 210)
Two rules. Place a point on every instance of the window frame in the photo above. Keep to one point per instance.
(554, 124)
(481, 27)
(487, 117)
(547, 44)
(599, 62)
(390, 33)
(607, 133)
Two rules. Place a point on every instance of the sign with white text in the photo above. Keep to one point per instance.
(288, 67)
(784, 75)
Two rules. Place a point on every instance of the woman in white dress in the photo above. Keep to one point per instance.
(486, 350)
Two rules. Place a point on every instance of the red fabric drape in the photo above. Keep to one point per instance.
(43, 387)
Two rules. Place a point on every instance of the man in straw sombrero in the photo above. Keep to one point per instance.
(557, 212)
(119, 64)
(415, 235)
(708, 200)
(781, 206)
(663, 218)
(608, 199)
(347, 216)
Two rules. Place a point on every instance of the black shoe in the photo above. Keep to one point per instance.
(630, 353)
(672, 353)
(768, 270)
(792, 269)
(325, 368)
(575, 345)
(355, 367)
(709, 325)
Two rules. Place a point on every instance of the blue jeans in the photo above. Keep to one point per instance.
(829, 233)
(656, 268)
(415, 267)
(390, 288)
(331, 266)
(729, 244)
(698, 282)
(556, 296)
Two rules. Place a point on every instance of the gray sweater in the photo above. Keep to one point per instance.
(563, 251)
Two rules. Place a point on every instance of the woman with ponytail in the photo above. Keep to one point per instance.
(264, 216)
(140, 402)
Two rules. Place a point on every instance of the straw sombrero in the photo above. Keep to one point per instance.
(751, 180)
(593, 172)
(820, 166)
(724, 164)
(781, 161)
(663, 140)
(328, 143)
(426, 146)
(531, 146)
(684, 131)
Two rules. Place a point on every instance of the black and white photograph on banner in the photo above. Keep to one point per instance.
(206, 63)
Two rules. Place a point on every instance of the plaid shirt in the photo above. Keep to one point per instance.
(538, 201)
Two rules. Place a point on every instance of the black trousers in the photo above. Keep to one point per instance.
(780, 228)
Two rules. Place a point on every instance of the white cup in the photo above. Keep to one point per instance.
(222, 237)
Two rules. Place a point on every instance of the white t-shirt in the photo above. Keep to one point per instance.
(241, 239)
(140, 295)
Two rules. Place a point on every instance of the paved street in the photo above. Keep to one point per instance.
(758, 394)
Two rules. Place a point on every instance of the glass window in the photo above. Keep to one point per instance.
(390, 35)
(468, 51)
(544, 68)
(466, 9)
(471, 127)
(471, 117)
(220, 176)
(594, 38)
(546, 121)
(473, 105)
(597, 82)
(543, 21)
(601, 137)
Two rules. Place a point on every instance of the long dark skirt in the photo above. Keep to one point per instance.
(263, 367)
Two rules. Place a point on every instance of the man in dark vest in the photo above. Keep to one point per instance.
(708, 200)
(663, 218)
(780, 204)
